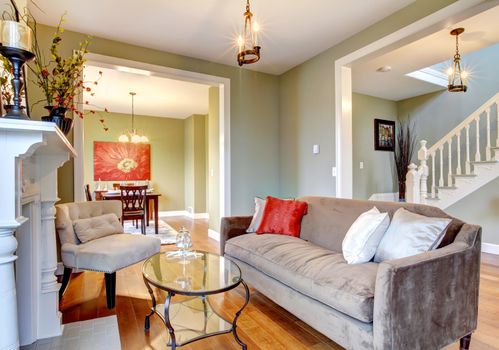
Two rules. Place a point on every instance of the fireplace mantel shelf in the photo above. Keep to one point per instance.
(30, 154)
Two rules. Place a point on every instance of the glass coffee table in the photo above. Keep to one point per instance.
(197, 275)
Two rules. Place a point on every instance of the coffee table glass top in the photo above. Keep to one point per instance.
(194, 273)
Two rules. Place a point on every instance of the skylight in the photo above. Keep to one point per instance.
(430, 75)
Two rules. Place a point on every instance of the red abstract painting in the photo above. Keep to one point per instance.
(121, 161)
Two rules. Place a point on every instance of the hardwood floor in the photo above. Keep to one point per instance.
(262, 325)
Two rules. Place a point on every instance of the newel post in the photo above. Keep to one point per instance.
(412, 182)
(423, 171)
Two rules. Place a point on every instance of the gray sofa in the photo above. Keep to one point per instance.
(426, 301)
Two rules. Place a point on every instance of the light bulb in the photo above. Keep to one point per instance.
(464, 74)
(144, 139)
(450, 71)
(256, 27)
(135, 138)
(240, 42)
(123, 138)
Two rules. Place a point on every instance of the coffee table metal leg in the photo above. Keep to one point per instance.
(147, 321)
(171, 331)
(234, 323)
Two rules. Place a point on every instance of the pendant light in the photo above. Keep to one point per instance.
(133, 136)
(247, 43)
(457, 77)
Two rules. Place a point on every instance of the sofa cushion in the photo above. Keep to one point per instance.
(329, 219)
(314, 271)
(99, 226)
(282, 216)
(110, 253)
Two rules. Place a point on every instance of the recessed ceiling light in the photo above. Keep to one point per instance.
(384, 69)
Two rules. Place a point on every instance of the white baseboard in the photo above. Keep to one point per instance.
(214, 234)
(184, 213)
(490, 248)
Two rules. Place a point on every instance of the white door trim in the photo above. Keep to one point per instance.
(439, 20)
(161, 71)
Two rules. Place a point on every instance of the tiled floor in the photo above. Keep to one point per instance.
(97, 334)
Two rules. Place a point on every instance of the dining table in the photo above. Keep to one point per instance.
(150, 197)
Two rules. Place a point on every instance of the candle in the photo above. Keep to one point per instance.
(15, 34)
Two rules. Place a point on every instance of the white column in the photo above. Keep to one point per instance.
(49, 317)
(497, 125)
(9, 335)
(412, 184)
(423, 171)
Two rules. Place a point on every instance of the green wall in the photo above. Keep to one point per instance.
(307, 106)
(213, 169)
(195, 163)
(377, 176)
(166, 136)
(254, 115)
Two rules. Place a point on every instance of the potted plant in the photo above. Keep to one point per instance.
(61, 79)
(405, 143)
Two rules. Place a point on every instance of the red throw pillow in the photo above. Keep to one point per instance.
(282, 216)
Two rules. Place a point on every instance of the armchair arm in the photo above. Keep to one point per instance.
(232, 227)
(429, 300)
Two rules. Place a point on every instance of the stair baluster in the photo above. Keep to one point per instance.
(423, 172)
(449, 172)
(497, 126)
(433, 192)
(477, 153)
(458, 168)
(441, 180)
(488, 150)
(468, 163)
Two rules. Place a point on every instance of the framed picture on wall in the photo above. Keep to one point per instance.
(118, 161)
(384, 135)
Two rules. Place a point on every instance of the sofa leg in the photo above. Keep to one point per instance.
(65, 281)
(110, 289)
(464, 343)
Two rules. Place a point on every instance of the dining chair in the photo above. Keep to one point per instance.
(133, 204)
(88, 194)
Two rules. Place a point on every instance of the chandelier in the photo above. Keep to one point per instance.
(132, 136)
(248, 48)
(457, 77)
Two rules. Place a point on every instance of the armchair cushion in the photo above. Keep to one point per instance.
(96, 227)
(111, 253)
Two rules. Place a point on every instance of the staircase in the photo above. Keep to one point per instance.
(456, 165)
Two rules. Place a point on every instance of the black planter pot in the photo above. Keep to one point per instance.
(58, 116)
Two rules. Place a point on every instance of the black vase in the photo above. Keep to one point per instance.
(57, 115)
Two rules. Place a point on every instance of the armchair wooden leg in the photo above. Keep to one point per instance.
(464, 343)
(65, 281)
(110, 289)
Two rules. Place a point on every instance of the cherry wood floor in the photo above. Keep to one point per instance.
(262, 325)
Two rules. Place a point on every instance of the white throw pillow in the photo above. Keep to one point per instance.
(257, 217)
(97, 227)
(410, 234)
(363, 237)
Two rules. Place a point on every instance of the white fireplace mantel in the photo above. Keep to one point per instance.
(30, 153)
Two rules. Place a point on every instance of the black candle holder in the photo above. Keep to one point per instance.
(17, 57)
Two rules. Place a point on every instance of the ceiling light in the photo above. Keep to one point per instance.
(247, 43)
(457, 78)
(384, 69)
(133, 136)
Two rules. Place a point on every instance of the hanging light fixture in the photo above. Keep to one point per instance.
(247, 43)
(457, 77)
(132, 136)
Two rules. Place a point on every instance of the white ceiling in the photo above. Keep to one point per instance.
(481, 30)
(293, 31)
(156, 96)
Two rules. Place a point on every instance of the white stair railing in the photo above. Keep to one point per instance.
(418, 177)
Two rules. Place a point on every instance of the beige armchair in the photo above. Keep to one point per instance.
(105, 254)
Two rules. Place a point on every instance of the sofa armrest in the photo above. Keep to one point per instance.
(429, 300)
(231, 227)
